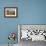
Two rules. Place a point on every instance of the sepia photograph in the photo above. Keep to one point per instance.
(10, 12)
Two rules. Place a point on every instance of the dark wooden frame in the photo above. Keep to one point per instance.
(11, 16)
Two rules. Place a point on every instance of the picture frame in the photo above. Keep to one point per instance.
(10, 12)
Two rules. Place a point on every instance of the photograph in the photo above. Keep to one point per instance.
(10, 11)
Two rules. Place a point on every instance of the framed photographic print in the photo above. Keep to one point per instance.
(10, 12)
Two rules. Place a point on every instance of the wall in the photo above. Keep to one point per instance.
(29, 12)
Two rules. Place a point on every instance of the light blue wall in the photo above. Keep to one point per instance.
(29, 12)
